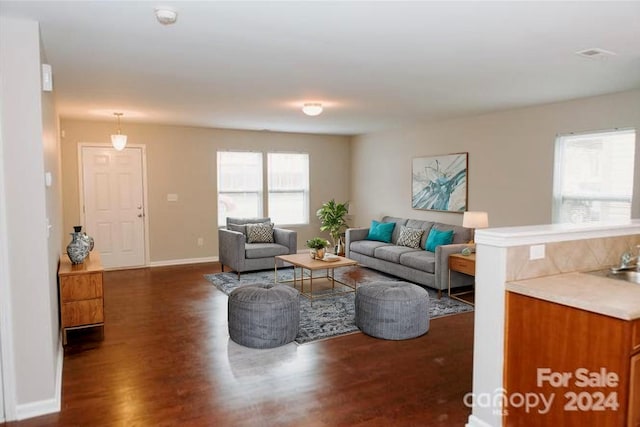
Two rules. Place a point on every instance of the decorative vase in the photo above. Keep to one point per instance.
(89, 240)
(78, 248)
(320, 253)
(340, 247)
(313, 253)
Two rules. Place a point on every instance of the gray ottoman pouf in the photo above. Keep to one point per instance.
(392, 310)
(264, 315)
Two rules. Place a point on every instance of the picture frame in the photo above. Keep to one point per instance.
(439, 183)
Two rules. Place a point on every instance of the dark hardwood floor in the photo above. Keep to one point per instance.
(167, 360)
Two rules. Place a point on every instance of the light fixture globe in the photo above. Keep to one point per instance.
(119, 141)
(166, 16)
(312, 108)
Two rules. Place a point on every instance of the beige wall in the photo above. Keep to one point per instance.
(29, 329)
(510, 159)
(182, 160)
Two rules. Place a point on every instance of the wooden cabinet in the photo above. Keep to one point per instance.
(81, 294)
(587, 362)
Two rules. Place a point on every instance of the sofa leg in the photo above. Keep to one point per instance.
(222, 267)
(439, 293)
(238, 275)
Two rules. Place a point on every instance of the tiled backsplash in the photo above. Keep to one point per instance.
(567, 257)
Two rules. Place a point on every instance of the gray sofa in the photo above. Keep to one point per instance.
(415, 265)
(240, 256)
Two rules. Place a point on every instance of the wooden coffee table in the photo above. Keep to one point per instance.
(305, 262)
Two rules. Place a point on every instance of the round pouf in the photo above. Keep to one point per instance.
(392, 310)
(264, 315)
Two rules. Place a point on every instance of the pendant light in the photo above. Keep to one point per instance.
(119, 141)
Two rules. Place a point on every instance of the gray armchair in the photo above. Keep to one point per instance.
(235, 252)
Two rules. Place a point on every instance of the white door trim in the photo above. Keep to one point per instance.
(145, 198)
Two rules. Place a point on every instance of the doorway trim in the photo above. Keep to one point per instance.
(145, 197)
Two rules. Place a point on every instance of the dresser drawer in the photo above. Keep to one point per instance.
(463, 265)
(81, 287)
(80, 313)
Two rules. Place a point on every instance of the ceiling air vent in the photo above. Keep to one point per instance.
(595, 53)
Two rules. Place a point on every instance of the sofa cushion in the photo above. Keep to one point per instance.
(420, 260)
(366, 247)
(437, 238)
(264, 250)
(396, 230)
(422, 225)
(410, 237)
(381, 231)
(260, 233)
(460, 234)
(392, 253)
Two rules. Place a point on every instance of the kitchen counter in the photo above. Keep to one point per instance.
(602, 295)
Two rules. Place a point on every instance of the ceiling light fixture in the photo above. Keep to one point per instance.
(312, 108)
(119, 141)
(166, 16)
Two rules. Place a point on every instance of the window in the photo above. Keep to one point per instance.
(288, 188)
(241, 188)
(593, 179)
(239, 185)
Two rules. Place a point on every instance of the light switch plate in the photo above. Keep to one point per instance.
(536, 252)
(172, 197)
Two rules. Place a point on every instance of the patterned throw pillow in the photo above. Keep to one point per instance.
(410, 237)
(260, 233)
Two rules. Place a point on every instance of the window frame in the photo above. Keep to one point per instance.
(305, 191)
(559, 197)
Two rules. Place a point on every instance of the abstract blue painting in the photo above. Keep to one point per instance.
(440, 182)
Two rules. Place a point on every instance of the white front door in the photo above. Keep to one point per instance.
(113, 195)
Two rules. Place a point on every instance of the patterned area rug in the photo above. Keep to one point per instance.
(330, 316)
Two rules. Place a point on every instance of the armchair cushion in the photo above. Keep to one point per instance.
(240, 228)
(264, 250)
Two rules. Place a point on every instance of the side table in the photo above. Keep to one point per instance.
(81, 294)
(465, 264)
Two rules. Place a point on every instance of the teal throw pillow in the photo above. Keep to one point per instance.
(381, 231)
(438, 237)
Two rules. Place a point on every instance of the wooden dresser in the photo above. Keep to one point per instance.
(81, 294)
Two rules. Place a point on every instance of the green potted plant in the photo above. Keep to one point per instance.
(317, 247)
(332, 218)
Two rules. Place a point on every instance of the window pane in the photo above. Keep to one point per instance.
(239, 185)
(594, 177)
(288, 188)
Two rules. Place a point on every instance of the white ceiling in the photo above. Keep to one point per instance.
(374, 65)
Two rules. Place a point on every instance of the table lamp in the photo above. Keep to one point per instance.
(473, 220)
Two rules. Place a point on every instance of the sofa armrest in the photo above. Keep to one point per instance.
(288, 238)
(353, 234)
(231, 248)
(442, 263)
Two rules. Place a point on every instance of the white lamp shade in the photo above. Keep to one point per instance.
(119, 141)
(476, 219)
(312, 109)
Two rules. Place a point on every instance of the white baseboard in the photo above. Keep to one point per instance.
(47, 406)
(477, 422)
(171, 262)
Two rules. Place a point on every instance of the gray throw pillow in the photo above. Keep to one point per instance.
(260, 233)
(410, 237)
